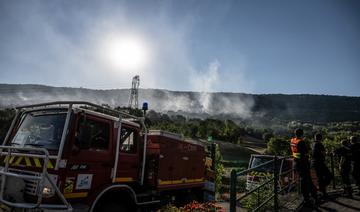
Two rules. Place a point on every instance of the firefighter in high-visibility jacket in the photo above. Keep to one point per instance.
(345, 155)
(302, 166)
(323, 174)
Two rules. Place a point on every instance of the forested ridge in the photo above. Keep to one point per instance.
(231, 117)
(244, 133)
(313, 108)
(233, 106)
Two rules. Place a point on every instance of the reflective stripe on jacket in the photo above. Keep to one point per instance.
(294, 148)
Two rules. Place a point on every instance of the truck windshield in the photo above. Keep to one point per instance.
(258, 161)
(266, 168)
(40, 129)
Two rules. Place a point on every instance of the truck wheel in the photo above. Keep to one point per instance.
(114, 207)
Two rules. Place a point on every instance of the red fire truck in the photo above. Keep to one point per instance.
(82, 156)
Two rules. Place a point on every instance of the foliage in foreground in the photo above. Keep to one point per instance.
(194, 207)
(254, 200)
(219, 170)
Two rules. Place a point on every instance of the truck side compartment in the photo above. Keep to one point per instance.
(180, 164)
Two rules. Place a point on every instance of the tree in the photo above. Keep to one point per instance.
(278, 146)
(267, 136)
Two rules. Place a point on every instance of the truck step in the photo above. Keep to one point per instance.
(147, 198)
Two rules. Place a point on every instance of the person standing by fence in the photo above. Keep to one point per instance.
(344, 153)
(300, 155)
(323, 174)
(355, 148)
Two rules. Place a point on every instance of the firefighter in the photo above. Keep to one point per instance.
(302, 166)
(355, 148)
(344, 153)
(323, 174)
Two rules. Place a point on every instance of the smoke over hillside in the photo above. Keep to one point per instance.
(159, 100)
(192, 102)
(310, 108)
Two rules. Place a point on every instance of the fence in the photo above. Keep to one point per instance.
(266, 191)
(263, 187)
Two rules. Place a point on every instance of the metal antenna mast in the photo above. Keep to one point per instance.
(133, 100)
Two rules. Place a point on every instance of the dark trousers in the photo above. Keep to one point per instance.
(323, 175)
(345, 174)
(356, 173)
(306, 185)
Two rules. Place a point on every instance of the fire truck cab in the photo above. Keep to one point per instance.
(82, 156)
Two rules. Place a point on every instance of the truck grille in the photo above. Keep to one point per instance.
(31, 186)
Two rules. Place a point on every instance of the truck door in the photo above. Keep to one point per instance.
(128, 169)
(90, 162)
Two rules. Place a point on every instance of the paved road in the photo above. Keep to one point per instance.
(337, 203)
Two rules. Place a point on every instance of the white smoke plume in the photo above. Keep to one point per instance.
(204, 100)
(205, 84)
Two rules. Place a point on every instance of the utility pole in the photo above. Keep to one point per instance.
(134, 92)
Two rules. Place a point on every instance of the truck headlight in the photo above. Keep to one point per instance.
(48, 191)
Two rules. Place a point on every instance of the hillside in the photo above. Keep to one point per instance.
(236, 106)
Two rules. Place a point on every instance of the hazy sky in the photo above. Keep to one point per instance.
(267, 46)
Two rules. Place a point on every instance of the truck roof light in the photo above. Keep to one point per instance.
(145, 106)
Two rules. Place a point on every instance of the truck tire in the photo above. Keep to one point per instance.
(114, 207)
(115, 201)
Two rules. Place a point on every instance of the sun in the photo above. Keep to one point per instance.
(126, 52)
